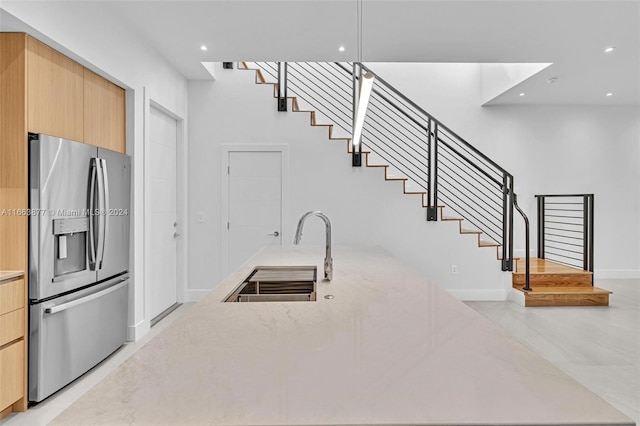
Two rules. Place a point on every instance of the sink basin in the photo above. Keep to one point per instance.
(277, 284)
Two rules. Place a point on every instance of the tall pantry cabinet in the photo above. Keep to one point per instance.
(41, 91)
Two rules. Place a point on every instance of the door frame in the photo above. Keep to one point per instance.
(181, 205)
(224, 200)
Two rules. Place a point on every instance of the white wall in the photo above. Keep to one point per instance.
(363, 208)
(548, 149)
(100, 41)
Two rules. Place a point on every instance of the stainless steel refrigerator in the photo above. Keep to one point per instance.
(78, 259)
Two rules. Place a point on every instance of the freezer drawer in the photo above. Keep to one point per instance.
(71, 334)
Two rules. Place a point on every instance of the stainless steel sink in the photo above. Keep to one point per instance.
(277, 284)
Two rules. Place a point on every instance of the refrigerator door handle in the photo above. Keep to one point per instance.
(105, 228)
(101, 212)
(69, 305)
(92, 238)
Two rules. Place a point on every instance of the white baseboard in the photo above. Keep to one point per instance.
(616, 274)
(478, 295)
(135, 332)
(516, 296)
(196, 295)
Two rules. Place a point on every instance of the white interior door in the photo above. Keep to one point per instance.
(254, 205)
(162, 223)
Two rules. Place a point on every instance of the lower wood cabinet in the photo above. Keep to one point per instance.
(12, 363)
(12, 345)
(11, 326)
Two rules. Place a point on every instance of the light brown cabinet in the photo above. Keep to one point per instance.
(104, 118)
(41, 91)
(13, 228)
(12, 347)
(54, 93)
(12, 365)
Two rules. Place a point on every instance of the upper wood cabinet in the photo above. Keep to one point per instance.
(66, 100)
(104, 116)
(54, 93)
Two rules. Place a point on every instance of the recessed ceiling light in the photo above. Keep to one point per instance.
(521, 94)
(552, 80)
(341, 48)
(609, 94)
(609, 49)
(203, 47)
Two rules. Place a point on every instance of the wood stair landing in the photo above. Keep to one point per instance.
(555, 284)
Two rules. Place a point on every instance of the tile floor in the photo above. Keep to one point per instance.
(50, 408)
(597, 346)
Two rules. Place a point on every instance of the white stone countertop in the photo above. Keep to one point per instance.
(390, 349)
(8, 275)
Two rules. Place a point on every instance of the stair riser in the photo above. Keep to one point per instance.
(553, 280)
(566, 300)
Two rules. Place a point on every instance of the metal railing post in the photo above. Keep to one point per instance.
(590, 264)
(432, 204)
(526, 244)
(541, 230)
(587, 213)
(282, 86)
(585, 232)
(356, 148)
(506, 198)
(510, 265)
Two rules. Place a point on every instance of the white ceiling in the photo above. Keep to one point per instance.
(569, 34)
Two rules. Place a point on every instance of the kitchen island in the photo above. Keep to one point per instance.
(390, 348)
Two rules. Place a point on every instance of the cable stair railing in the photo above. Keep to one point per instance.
(411, 144)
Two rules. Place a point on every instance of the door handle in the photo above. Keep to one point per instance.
(105, 202)
(101, 293)
(92, 241)
(100, 213)
(275, 234)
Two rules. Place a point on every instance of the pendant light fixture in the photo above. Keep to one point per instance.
(365, 83)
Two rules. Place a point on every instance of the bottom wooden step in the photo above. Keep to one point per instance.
(566, 296)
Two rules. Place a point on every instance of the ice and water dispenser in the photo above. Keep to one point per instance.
(70, 254)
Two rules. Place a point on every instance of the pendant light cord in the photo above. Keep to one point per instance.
(359, 29)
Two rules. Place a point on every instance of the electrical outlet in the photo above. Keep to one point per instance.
(454, 269)
(200, 217)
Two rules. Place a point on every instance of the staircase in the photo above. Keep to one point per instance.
(380, 155)
(555, 284)
(432, 162)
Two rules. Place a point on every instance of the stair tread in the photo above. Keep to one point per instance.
(470, 231)
(533, 272)
(482, 243)
(568, 290)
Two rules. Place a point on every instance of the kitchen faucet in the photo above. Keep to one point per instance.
(328, 261)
